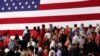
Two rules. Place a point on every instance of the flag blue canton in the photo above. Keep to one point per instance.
(19, 5)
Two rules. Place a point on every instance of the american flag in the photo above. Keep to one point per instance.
(16, 14)
(17, 5)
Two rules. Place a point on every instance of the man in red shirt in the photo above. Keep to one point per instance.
(42, 31)
(34, 33)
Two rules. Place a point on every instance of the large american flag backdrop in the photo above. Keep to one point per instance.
(16, 14)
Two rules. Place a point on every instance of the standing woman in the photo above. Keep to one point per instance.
(97, 41)
(7, 40)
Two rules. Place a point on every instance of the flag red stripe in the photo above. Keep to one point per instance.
(51, 19)
(69, 5)
(12, 32)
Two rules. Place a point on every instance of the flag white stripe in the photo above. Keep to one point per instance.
(59, 1)
(55, 12)
(21, 26)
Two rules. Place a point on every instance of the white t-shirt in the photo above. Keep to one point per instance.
(32, 43)
(97, 29)
(52, 52)
(75, 39)
(48, 35)
(52, 44)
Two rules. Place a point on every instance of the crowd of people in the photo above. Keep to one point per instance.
(53, 41)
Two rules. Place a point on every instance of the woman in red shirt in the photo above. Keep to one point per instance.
(92, 36)
(97, 39)
(7, 40)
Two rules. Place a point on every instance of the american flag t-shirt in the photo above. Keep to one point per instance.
(16, 14)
